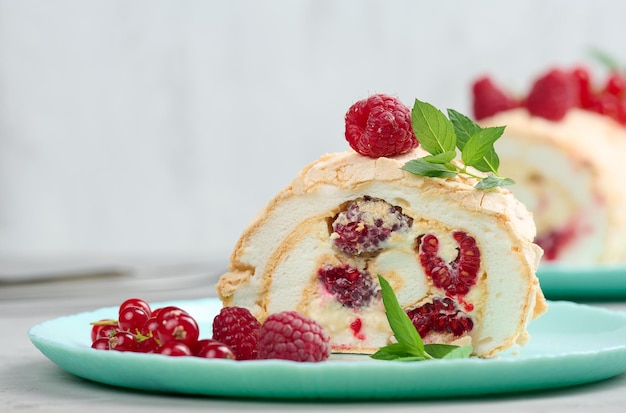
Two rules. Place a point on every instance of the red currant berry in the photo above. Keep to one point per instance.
(212, 349)
(174, 349)
(132, 319)
(162, 313)
(148, 345)
(101, 344)
(136, 302)
(150, 327)
(123, 341)
(178, 327)
(103, 328)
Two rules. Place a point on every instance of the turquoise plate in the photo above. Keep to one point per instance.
(570, 344)
(560, 281)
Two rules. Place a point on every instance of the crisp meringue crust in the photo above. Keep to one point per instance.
(274, 264)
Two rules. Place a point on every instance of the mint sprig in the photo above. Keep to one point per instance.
(441, 136)
(410, 346)
(605, 59)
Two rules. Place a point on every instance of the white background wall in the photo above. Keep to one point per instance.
(162, 127)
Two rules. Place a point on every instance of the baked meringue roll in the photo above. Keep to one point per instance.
(461, 260)
(569, 174)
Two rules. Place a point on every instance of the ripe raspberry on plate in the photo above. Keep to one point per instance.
(238, 329)
(288, 335)
(380, 126)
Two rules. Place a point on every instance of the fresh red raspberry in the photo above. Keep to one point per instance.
(553, 94)
(489, 99)
(289, 335)
(380, 126)
(238, 329)
(585, 93)
(607, 104)
(615, 84)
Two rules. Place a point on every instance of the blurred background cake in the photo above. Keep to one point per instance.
(564, 144)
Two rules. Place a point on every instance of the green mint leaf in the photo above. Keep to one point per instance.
(461, 352)
(464, 127)
(493, 181)
(420, 166)
(410, 346)
(403, 329)
(441, 158)
(447, 351)
(392, 356)
(438, 351)
(480, 144)
(432, 128)
(440, 137)
(604, 59)
(410, 358)
(489, 163)
(391, 352)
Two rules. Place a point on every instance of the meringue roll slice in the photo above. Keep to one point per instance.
(570, 174)
(460, 260)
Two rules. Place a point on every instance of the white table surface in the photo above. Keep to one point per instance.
(30, 382)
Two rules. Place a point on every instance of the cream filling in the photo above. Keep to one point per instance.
(499, 299)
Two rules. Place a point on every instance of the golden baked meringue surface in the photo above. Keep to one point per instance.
(275, 262)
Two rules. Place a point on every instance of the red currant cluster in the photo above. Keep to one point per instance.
(170, 331)
(554, 93)
(237, 334)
